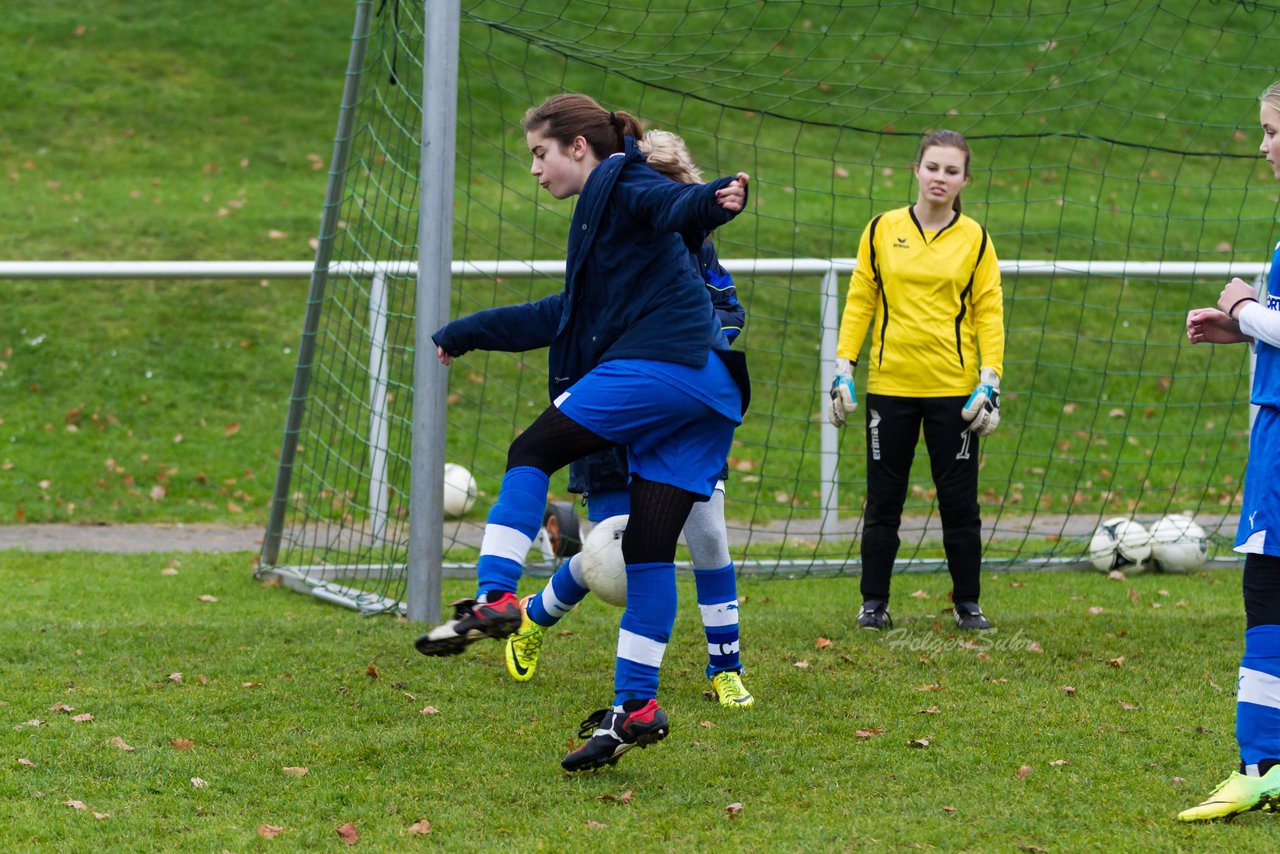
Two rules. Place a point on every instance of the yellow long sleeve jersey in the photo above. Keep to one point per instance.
(936, 301)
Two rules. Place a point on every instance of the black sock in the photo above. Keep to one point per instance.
(630, 706)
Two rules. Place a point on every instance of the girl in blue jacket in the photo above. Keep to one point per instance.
(602, 480)
(637, 359)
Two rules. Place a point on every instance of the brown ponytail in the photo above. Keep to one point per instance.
(568, 116)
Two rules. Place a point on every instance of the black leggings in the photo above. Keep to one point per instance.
(893, 429)
(1261, 590)
(658, 510)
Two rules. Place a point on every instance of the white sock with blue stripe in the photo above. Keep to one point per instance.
(513, 522)
(645, 630)
(1258, 698)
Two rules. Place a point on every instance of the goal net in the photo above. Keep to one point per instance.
(1114, 165)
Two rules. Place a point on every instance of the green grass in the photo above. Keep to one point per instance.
(271, 679)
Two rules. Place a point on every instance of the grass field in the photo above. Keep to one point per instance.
(1098, 710)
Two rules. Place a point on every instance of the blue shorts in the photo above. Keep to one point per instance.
(1259, 531)
(675, 421)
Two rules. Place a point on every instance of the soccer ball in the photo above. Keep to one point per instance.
(459, 490)
(1120, 543)
(1178, 544)
(603, 568)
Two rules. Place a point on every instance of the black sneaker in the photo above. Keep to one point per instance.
(471, 622)
(610, 734)
(969, 616)
(874, 615)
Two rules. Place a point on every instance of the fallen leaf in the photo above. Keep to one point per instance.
(919, 742)
(270, 831)
(1178, 781)
(1095, 610)
(803, 665)
(593, 825)
(625, 797)
(231, 429)
(182, 743)
(250, 684)
(61, 707)
(1023, 772)
(1034, 647)
(371, 671)
(868, 733)
(429, 710)
(78, 805)
(101, 815)
(1128, 707)
(1134, 596)
(26, 762)
(207, 598)
(920, 594)
(948, 809)
(932, 710)
(734, 810)
(81, 719)
(1056, 762)
(822, 643)
(1117, 575)
(175, 677)
(1118, 661)
(296, 771)
(117, 741)
(929, 688)
(1069, 690)
(348, 834)
(420, 828)
(706, 724)
(198, 782)
(1214, 685)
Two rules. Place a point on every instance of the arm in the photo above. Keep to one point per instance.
(510, 328)
(860, 302)
(1239, 301)
(988, 310)
(724, 296)
(671, 206)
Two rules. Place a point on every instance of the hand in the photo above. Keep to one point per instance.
(843, 397)
(445, 358)
(733, 197)
(982, 409)
(1210, 326)
(1233, 293)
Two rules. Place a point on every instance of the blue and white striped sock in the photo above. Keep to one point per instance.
(645, 630)
(563, 591)
(513, 522)
(1258, 699)
(718, 602)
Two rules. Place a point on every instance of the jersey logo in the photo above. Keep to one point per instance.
(902, 244)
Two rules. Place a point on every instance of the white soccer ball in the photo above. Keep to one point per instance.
(603, 568)
(1178, 544)
(459, 490)
(1120, 543)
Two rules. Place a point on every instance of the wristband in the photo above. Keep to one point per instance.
(1231, 312)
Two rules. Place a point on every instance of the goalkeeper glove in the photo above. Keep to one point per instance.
(843, 397)
(982, 409)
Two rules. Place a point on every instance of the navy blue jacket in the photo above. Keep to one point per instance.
(630, 290)
(607, 470)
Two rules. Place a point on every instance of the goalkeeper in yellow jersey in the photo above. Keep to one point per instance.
(928, 286)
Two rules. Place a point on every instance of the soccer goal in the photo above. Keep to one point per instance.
(1114, 165)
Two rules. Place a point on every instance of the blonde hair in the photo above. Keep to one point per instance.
(666, 152)
(1271, 97)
